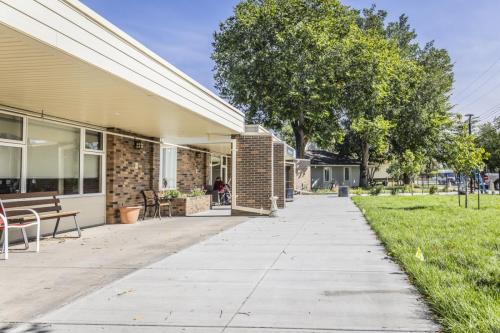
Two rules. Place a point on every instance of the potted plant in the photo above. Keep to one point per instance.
(129, 214)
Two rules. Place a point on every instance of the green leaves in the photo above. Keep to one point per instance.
(489, 139)
(374, 132)
(462, 154)
(278, 60)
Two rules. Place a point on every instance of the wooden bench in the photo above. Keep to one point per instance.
(46, 204)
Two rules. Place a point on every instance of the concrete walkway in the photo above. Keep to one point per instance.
(316, 268)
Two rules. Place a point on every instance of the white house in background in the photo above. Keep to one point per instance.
(330, 169)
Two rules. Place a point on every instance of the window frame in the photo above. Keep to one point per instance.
(84, 151)
(325, 169)
(84, 137)
(160, 185)
(24, 134)
(348, 169)
(23, 144)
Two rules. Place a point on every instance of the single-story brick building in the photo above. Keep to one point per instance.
(89, 112)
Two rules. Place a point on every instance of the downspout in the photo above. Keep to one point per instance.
(233, 173)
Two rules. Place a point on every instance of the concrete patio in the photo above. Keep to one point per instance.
(67, 268)
(316, 268)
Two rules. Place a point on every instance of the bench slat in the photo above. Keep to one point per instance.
(46, 216)
(37, 209)
(29, 203)
(14, 196)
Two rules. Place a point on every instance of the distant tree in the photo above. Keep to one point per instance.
(489, 139)
(408, 165)
(464, 156)
(372, 134)
(278, 60)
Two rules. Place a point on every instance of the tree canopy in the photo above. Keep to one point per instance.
(342, 78)
(279, 61)
(489, 139)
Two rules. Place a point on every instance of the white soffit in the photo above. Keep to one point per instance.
(61, 57)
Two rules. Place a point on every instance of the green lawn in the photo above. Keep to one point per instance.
(460, 274)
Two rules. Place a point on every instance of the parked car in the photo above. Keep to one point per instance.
(446, 176)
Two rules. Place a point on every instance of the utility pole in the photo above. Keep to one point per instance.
(469, 116)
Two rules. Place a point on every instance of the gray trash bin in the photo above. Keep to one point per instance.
(343, 191)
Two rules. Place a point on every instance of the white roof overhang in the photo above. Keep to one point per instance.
(60, 57)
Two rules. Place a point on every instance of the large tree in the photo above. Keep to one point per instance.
(375, 79)
(282, 62)
(412, 94)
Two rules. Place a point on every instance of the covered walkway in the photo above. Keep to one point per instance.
(318, 267)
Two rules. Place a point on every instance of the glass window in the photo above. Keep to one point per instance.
(92, 167)
(216, 167)
(10, 170)
(53, 158)
(168, 168)
(11, 127)
(326, 174)
(93, 140)
(346, 173)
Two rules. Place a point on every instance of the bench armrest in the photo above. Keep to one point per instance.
(3, 221)
(32, 211)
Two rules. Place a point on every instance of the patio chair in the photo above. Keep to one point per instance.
(5, 226)
(163, 204)
(150, 201)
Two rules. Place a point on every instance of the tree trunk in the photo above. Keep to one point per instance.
(466, 192)
(365, 157)
(300, 137)
(406, 179)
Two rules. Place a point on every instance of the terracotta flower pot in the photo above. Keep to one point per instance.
(129, 215)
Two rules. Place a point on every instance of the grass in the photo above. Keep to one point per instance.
(460, 274)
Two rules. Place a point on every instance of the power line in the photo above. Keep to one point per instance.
(479, 77)
(476, 89)
(481, 96)
(489, 111)
(491, 116)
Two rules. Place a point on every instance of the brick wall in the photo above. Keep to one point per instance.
(303, 175)
(253, 171)
(279, 172)
(290, 176)
(192, 170)
(128, 171)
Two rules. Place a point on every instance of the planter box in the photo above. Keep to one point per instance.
(190, 205)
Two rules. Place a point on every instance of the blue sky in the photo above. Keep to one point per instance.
(181, 31)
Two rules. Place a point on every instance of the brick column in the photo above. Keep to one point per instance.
(128, 171)
(279, 172)
(254, 171)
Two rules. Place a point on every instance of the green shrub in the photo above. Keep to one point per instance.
(407, 189)
(170, 194)
(394, 190)
(197, 192)
(376, 190)
(433, 189)
(356, 190)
